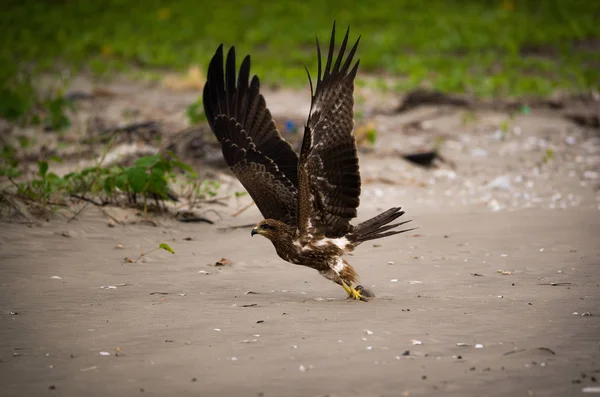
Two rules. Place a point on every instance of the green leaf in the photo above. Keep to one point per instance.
(43, 168)
(87, 170)
(109, 185)
(137, 178)
(157, 185)
(52, 176)
(121, 181)
(160, 168)
(372, 136)
(166, 247)
(194, 113)
(182, 166)
(148, 161)
(55, 158)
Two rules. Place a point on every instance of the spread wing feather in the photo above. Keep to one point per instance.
(328, 172)
(252, 146)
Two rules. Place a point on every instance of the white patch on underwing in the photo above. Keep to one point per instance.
(339, 265)
(340, 242)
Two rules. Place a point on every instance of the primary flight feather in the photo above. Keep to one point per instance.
(309, 200)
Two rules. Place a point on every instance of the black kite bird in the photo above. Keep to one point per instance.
(307, 201)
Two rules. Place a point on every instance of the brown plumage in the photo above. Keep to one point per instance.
(307, 201)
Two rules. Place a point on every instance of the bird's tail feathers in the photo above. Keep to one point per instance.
(378, 226)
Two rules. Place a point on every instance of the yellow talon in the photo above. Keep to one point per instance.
(353, 293)
(356, 294)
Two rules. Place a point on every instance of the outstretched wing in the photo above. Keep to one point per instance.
(253, 148)
(328, 174)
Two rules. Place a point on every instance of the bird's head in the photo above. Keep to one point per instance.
(270, 228)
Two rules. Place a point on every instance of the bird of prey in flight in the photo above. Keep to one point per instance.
(308, 200)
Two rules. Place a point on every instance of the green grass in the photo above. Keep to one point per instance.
(479, 47)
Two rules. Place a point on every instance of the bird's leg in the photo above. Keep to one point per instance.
(346, 288)
(346, 277)
(352, 292)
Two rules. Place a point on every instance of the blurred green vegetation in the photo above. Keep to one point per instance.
(488, 48)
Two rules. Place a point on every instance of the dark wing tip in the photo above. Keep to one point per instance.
(342, 50)
(230, 82)
(230, 60)
(339, 65)
(255, 82)
(330, 53)
(213, 64)
(211, 91)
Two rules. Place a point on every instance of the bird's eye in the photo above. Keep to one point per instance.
(266, 226)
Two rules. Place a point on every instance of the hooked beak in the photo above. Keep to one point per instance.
(253, 232)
